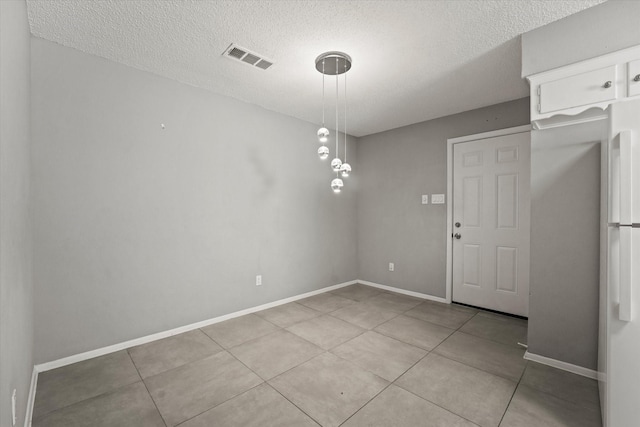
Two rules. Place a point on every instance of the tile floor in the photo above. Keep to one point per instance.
(357, 356)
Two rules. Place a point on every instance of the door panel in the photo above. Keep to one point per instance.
(507, 268)
(472, 196)
(507, 201)
(471, 265)
(507, 154)
(491, 203)
(472, 159)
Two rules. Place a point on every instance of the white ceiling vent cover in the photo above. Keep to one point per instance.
(247, 57)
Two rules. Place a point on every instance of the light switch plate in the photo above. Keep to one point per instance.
(425, 199)
(437, 199)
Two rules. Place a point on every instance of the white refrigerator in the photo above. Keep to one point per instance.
(619, 335)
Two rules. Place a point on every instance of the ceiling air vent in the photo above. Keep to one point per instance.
(243, 55)
(264, 64)
(250, 58)
(237, 53)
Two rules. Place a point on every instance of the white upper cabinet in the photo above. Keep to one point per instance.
(563, 96)
(587, 88)
(634, 78)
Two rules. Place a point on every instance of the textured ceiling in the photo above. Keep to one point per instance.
(412, 60)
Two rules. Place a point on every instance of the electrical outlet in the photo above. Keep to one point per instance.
(259, 280)
(392, 266)
(425, 199)
(13, 407)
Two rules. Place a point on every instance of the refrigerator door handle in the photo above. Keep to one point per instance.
(626, 187)
(626, 277)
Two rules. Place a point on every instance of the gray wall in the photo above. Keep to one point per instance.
(138, 230)
(565, 243)
(396, 168)
(565, 179)
(16, 289)
(592, 32)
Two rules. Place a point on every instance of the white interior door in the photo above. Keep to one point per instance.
(491, 181)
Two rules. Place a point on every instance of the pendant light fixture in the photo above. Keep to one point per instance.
(323, 132)
(345, 168)
(334, 64)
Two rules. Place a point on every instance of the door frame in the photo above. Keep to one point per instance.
(450, 143)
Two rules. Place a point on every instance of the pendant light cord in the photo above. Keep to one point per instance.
(323, 93)
(345, 111)
(337, 100)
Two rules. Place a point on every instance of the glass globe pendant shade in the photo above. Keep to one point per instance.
(323, 153)
(336, 185)
(345, 170)
(336, 164)
(323, 135)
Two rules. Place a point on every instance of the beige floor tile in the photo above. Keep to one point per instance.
(363, 315)
(191, 389)
(215, 375)
(357, 292)
(493, 357)
(325, 331)
(468, 392)
(127, 406)
(233, 332)
(455, 306)
(261, 406)
(395, 407)
(393, 302)
(460, 307)
(275, 353)
(415, 331)
(73, 383)
(384, 356)
(328, 388)
(326, 302)
(565, 385)
(532, 408)
(288, 314)
(503, 329)
(440, 314)
(162, 355)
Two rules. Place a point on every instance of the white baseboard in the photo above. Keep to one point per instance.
(43, 367)
(403, 291)
(165, 334)
(31, 398)
(585, 372)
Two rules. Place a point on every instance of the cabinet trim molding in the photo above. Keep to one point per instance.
(621, 84)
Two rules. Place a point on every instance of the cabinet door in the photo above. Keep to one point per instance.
(634, 72)
(582, 89)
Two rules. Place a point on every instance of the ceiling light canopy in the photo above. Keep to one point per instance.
(332, 63)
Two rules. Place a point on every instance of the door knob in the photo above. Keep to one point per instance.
(607, 85)
(458, 225)
(457, 236)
